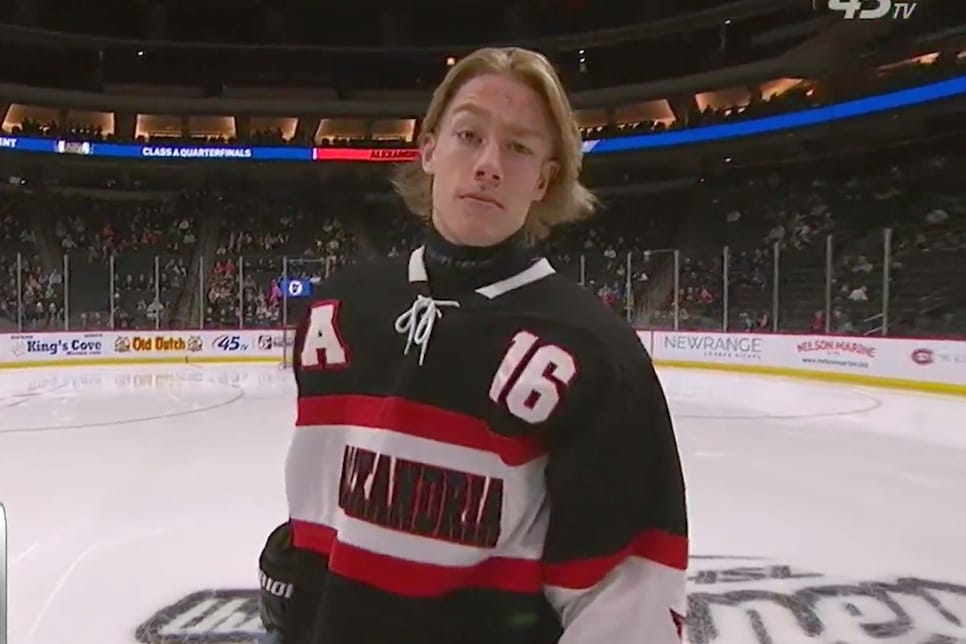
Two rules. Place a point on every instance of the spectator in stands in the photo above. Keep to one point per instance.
(841, 323)
(860, 294)
(817, 325)
(745, 321)
(862, 265)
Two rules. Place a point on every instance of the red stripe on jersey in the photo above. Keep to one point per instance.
(419, 420)
(413, 578)
(656, 545)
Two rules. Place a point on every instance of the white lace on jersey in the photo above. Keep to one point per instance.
(417, 322)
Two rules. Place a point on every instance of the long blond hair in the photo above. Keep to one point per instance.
(566, 199)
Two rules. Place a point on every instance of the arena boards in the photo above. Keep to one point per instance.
(932, 365)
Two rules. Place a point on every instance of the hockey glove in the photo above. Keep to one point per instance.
(276, 575)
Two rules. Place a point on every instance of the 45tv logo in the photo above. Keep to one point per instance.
(230, 344)
(873, 10)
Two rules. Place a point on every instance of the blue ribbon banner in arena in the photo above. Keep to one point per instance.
(803, 118)
(297, 288)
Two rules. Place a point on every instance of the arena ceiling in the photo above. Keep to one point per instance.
(366, 22)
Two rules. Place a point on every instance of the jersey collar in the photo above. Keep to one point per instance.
(537, 271)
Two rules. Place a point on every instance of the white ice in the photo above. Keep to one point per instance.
(819, 512)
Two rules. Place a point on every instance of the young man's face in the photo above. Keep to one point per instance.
(490, 160)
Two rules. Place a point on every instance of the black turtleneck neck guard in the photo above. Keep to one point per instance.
(453, 268)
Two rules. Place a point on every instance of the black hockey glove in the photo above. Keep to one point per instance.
(276, 575)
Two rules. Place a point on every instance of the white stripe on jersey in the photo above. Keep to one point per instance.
(313, 477)
(635, 597)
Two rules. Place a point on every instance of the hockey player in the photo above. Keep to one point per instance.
(483, 451)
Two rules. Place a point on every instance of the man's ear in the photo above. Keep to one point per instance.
(427, 151)
(547, 173)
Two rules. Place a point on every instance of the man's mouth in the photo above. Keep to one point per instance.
(483, 199)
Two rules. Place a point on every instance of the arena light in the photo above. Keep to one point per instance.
(649, 140)
(794, 120)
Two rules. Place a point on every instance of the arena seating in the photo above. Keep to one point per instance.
(144, 239)
(30, 301)
(232, 242)
(250, 252)
(178, 258)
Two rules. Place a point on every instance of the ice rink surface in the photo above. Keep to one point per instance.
(139, 498)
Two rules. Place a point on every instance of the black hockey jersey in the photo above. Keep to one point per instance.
(493, 464)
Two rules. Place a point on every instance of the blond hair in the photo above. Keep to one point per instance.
(566, 199)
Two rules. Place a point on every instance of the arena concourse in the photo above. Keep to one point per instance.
(781, 180)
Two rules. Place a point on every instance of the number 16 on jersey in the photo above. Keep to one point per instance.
(531, 379)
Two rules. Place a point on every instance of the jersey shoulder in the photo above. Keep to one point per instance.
(604, 330)
(358, 280)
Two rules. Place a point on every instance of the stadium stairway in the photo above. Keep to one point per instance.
(187, 312)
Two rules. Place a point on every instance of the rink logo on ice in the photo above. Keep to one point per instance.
(735, 601)
(158, 344)
(731, 600)
(210, 616)
(715, 346)
(71, 346)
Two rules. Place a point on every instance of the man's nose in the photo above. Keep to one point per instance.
(488, 165)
